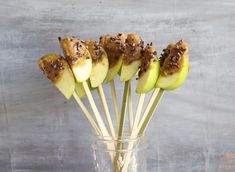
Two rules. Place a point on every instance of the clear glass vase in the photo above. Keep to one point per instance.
(126, 154)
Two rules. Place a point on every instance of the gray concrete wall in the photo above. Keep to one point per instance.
(193, 129)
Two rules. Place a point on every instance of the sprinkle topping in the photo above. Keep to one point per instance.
(53, 66)
(171, 58)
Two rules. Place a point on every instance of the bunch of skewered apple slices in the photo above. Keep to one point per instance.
(87, 64)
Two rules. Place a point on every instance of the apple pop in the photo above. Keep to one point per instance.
(100, 63)
(174, 66)
(80, 62)
(149, 70)
(114, 47)
(56, 68)
(100, 66)
(131, 57)
(78, 58)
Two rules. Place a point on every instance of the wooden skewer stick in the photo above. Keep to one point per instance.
(123, 110)
(115, 102)
(149, 105)
(122, 121)
(95, 110)
(98, 118)
(142, 126)
(130, 110)
(106, 110)
(138, 112)
(86, 113)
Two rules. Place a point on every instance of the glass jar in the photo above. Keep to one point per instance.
(126, 154)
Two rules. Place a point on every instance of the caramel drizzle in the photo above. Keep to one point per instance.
(148, 54)
(171, 58)
(53, 69)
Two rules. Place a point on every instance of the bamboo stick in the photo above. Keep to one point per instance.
(138, 112)
(115, 102)
(153, 102)
(123, 110)
(106, 110)
(149, 105)
(86, 113)
(130, 110)
(142, 126)
(95, 110)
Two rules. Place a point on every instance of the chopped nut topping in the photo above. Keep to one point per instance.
(95, 50)
(149, 54)
(114, 47)
(171, 58)
(75, 51)
(133, 48)
(53, 66)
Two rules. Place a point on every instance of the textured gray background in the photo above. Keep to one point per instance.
(194, 128)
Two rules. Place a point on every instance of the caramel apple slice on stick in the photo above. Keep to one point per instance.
(78, 58)
(174, 66)
(114, 47)
(80, 62)
(131, 57)
(56, 68)
(100, 66)
(149, 70)
(100, 63)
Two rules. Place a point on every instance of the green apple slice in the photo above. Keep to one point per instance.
(113, 71)
(114, 47)
(131, 57)
(56, 68)
(78, 58)
(80, 90)
(174, 66)
(129, 71)
(100, 63)
(149, 70)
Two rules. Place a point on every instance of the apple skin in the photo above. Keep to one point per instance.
(114, 47)
(131, 57)
(129, 71)
(149, 70)
(80, 90)
(78, 58)
(100, 63)
(148, 80)
(59, 73)
(175, 80)
(113, 71)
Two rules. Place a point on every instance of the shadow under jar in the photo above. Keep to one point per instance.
(126, 154)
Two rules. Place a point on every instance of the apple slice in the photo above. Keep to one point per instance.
(56, 68)
(149, 70)
(174, 66)
(80, 90)
(114, 47)
(131, 57)
(78, 57)
(100, 63)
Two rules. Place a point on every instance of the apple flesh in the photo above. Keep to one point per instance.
(169, 78)
(100, 63)
(78, 58)
(56, 68)
(114, 47)
(131, 57)
(149, 70)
